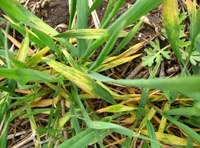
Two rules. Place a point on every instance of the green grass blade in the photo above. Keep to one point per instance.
(84, 112)
(184, 111)
(112, 13)
(12, 11)
(74, 120)
(197, 43)
(89, 122)
(143, 101)
(145, 93)
(128, 38)
(32, 37)
(99, 125)
(188, 84)
(189, 144)
(138, 9)
(107, 48)
(8, 119)
(152, 134)
(11, 83)
(35, 112)
(87, 34)
(70, 59)
(1, 38)
(127, 142)
(72, 13)
(4, 132)
(185, 128)
(84, 138)
(24, 74)
(78, 101)
(57, 116)
(50, 118)
(4, 113)
(82, 19)
(103, 38)
(3, 107)
(130, 133)
(95, 5)
(47, 40)
(195, 28)
(99, 140)
(6, 53)
(108, 10)
(194, 121)
(150, 114)
(44, 39)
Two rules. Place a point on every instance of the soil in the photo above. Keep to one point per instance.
(55, 13)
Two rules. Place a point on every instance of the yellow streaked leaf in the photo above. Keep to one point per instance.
(83, 81)
(37, 57)
(132, 50)
(171, 23)
(42, 103)
(172, 17)
(118, 141)
(117, 62)
(64, 119)
(171, 139)
(116, 108)
(130, 119)
(55, 100)
(23, 50)
(163, 121)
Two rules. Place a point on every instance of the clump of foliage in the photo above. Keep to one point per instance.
(47, 69)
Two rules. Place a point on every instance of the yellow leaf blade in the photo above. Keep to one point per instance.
(116, 108)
